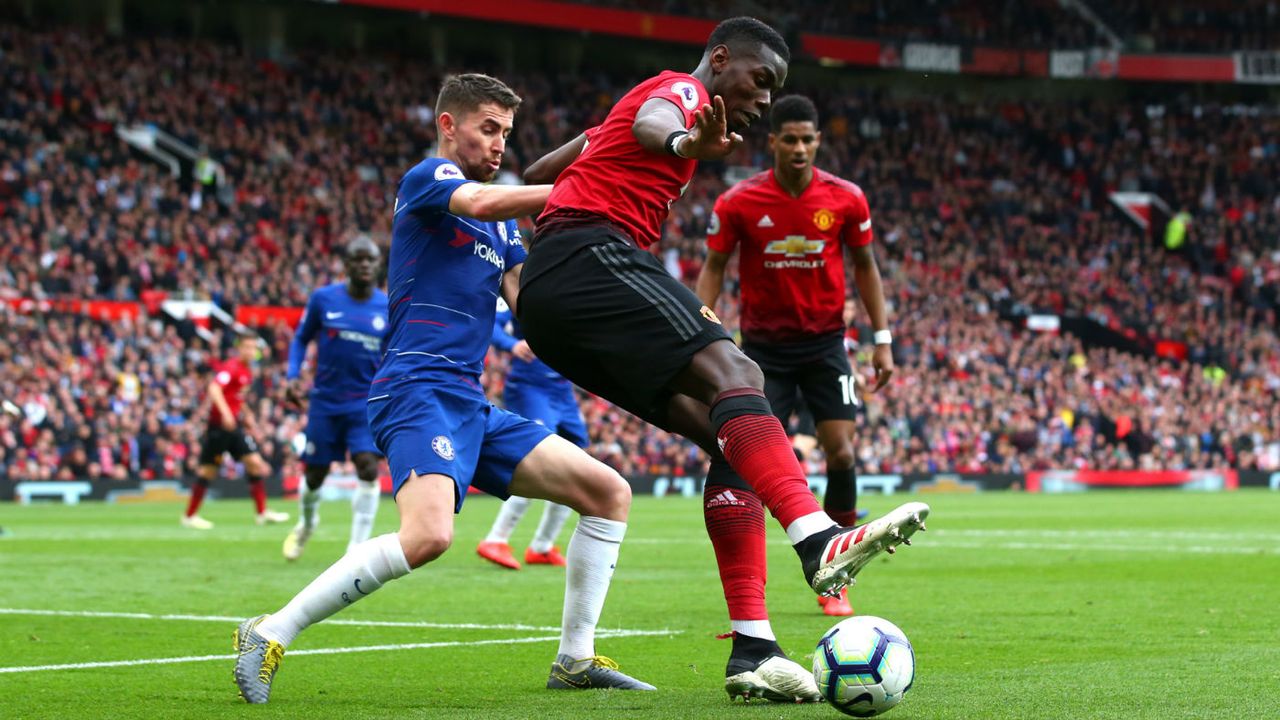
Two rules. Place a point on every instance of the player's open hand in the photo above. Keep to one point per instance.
(709, 138)
(882, 361)
(522, 350)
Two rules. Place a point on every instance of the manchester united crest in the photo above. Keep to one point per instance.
(824, 219)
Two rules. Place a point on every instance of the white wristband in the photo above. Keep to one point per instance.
(883, 337)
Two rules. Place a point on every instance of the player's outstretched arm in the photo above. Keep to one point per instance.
(711, 278)
(659, 128)
(498, 202)
(547, 168)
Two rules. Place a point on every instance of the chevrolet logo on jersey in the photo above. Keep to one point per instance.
(795, 246)
(798, 247)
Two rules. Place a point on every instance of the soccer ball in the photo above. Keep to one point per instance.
(864, 666)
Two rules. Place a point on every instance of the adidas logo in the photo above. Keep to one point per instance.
(765, 222)
(724, 499)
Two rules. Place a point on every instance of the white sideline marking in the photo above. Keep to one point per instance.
(221, 618)
(315, 651)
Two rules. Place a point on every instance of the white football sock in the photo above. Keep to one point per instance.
(508, 517)
(553, 519)
(308, 506)
(358, 573)
(806, 525)
(364, 510)
(592, 556)
(754, 628)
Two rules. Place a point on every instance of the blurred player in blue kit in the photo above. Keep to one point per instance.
(347, 321)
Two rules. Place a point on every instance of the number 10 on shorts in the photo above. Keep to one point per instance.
(849, 390)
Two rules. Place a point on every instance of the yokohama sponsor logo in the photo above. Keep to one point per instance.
(368, 341)
(489, 255)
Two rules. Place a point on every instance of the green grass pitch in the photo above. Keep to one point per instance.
(1156, 605)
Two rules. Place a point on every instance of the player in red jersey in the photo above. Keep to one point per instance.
(792, 224)
(227, 434)
(605, 314)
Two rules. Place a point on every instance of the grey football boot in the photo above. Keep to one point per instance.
(257, 661)
(597, 672)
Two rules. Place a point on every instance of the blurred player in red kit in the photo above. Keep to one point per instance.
(227, 433)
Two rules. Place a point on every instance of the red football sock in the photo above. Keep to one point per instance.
(735, 524)
(197, 496)
(755, 444)
(258, 489)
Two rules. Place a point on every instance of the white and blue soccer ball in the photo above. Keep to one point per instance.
(864, 666)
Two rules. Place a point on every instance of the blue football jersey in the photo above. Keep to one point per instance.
(521, 371)
(443, 280)
(348, 335)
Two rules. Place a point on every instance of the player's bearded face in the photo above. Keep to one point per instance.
(480, 139)
(794, 146)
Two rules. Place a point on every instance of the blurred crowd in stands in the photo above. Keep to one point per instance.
(984, 211)
(1191, 26)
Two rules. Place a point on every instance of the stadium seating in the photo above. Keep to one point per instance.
(984, 210)
(1143, 25)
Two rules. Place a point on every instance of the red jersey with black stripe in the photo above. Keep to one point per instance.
(791, 257)
(618, 180)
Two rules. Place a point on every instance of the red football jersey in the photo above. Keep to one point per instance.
(617, 179)
(232, 376)
(792, 257)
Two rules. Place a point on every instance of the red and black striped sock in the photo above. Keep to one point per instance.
(755, 444)
(735, 524)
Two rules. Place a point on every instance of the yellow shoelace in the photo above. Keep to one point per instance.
(604, 662)
(275, 652)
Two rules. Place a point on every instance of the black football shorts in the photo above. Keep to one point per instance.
(609, 317)
(817, 370)
(219, 440)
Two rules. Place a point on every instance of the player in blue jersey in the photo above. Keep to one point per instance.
(537, 392)
(452, 252)
(347, 322)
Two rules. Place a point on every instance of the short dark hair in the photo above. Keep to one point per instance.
(362, 242)
(792, 108)
(741, 30)
(465, 93)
